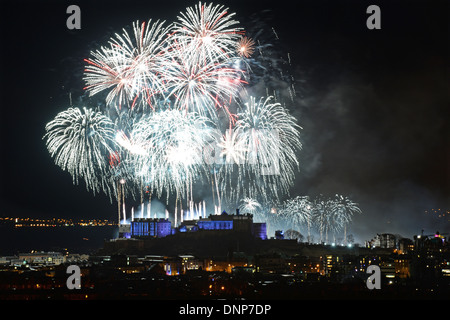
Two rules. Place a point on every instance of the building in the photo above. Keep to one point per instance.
(402, 266)
(190, 262)
(157, 228)
(216, 222)
(430, 241)
(187, 226)
(271, 263)
(384, 240)
(42, 258)
(388, 270)
(124, 231)
(225, 221)
(236, 222)
(76, 258)
(260, 230)
(405, 246)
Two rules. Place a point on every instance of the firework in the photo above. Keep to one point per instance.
(271, 136)
(334, 214)
(80, 141)
(202, 87)
(209, 32)
(132, 68)
(345, 208)
(298, 212)
(125, 142)
(249, 205)
(324, 210)
(245, 47)
(259, 210)
(174, 143)
(232, 147)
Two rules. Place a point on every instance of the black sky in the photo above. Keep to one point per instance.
(373, 104)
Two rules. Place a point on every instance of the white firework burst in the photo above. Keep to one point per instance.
(249, 205)
(80, 141)
(298, 212)
(232, 147)
(209, 32)
(175, 143)
(272, 139)
(201, 87)
(252, 206)
(131, 67)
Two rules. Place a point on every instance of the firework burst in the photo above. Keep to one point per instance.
(80, 141)
(249, 205)
(298, 213)
(232, 147)
(245, 47)
(174, 143)
(201, 87)
(132, 67)
(209, 32)
(271, 136)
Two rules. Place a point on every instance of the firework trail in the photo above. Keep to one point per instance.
(333, 214)
(345, 208)
(323, 210)
(268, 67)
(125, 142)
(328, 214)
(264, 212)
(243, 60)
(260, 152)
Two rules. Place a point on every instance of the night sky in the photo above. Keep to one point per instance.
(373, 104)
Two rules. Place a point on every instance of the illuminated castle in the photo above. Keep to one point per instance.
(159, 228)
(151, 227)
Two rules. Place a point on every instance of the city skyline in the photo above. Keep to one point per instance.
(371, 104)
(209, 264)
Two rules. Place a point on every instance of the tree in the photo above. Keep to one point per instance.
(293, 234)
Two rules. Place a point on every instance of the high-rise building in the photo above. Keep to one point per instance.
(384, 240)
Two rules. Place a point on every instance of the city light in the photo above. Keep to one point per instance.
(56, 222)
